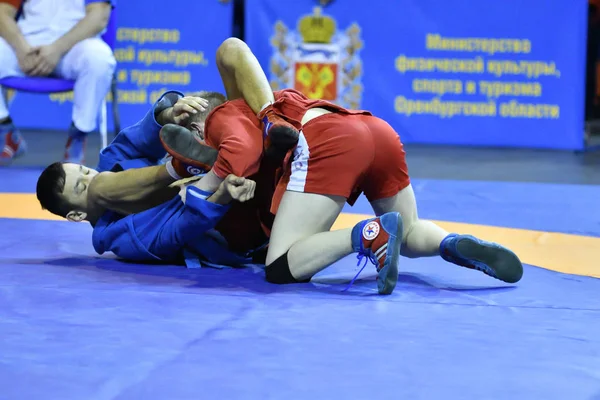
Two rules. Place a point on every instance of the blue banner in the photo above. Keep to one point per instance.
(159, 47)
(488, 73)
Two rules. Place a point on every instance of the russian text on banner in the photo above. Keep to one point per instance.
(505, 73)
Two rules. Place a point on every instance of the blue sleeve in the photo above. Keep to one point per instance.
(139, 145)
(161, 233)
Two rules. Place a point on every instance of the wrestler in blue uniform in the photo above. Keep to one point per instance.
(171, 232)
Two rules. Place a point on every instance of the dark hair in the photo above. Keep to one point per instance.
(214, 99)
(50, 186)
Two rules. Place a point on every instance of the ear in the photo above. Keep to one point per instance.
(198, 129)
(76, 216)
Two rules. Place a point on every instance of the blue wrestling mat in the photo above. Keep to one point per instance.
(78, 326)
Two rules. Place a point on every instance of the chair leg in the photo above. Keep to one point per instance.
(115, 106)
(103, 125)
(4, 95)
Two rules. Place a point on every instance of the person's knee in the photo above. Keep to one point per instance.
(404, 203)
(98, 59)
(102, 65)
(229, 50)
(279, 271)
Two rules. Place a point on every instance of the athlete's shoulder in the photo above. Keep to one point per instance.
(236, 104)
(230, 109)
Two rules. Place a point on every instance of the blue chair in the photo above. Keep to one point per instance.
(57, 85)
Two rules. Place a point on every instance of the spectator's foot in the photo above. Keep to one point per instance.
(13, 145)
(75, 147)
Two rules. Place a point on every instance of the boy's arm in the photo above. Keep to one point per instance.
(162, 232)
(132, 191)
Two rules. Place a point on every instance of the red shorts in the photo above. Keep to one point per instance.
(345, 155)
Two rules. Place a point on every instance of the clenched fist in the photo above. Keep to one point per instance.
(239, 189)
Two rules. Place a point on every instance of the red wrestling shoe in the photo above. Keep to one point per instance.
(191, 157)
(279, 135)
(379, 240)
(12, 144)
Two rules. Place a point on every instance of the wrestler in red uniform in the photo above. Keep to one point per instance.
(340, 153)
(328, 160)
(237, 133)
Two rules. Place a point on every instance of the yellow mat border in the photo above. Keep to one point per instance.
(572, 254)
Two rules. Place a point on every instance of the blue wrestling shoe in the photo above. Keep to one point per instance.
(379, 239)
(490, 258)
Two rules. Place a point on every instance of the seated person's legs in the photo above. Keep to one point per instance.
(387, 186)
(91, 64)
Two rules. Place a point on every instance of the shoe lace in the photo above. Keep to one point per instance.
(366, 255)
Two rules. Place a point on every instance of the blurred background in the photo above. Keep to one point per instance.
(477, 90)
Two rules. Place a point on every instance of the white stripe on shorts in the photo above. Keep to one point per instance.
(299, 165)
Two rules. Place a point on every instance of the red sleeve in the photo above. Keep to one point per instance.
(15, 3)
(238, 138)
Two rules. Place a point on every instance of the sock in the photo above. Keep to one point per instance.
(6, 121)
(76, 132)
(171, 170)
(6, 126)
(264, 107)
